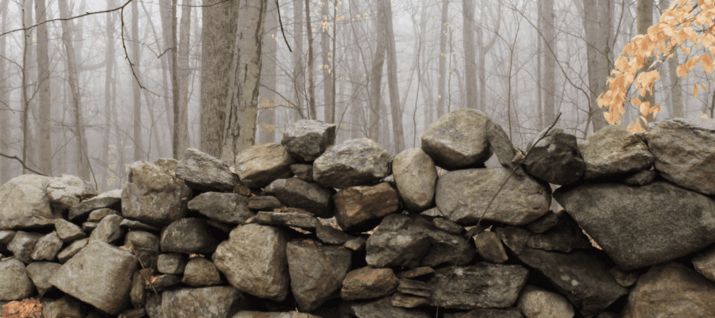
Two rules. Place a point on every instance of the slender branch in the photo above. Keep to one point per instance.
(280, 21)
(24, 165)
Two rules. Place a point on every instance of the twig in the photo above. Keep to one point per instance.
(280, 21)
(24, 165)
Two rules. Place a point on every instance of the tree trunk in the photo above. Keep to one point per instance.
(378, 63)
(44, 90)
(298, 67)
(395, 106)
(136, 90)
(644, 20)
(326, 67)
(269, 79)
(597, 20)
(442, 68)
(548, 80)
(676, 94)
(183, 75)
(470, 66)
(4, 131)
(108, 96)
(25, 120)
(311, 63)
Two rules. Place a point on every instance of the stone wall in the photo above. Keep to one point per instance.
(619, 226)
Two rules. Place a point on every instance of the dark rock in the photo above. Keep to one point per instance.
(447, 226)
(490, 247)
(264, 202)
(414, 288)
(565, 237)
(704, 263)
(108, 230)
(641, 178)
(383, 250)
(555, 158)
(110, 199)
(625, 279)
(137, 293)
(14, 282)
(330, 235)
(482, 285)
(487, 313)
(356, 206)
(144, 245)
(545, 223)
(538, 303)
(133, 225)
(458, 139)
(6, 237)
(613, 151)
(189, 235)
(64, 307)
(99, 214)
(354, 162)
(204, 172)
(367, 283)
(292, 217)
(201, 272)
(67, 231)
(171, 263)
(47, 247)
(300, 194)
(40, 273)
(72, 249)
(25, 203)
(446, 248)
(260, 314)
(205, 302)
(417, 272)
(231, 208)
(500, 145)
(163, 282)
(308, 139)
(23, 244)
(415, 177)
(382, 308)
(356, 244)
(259, 165)
(133, 313)
(302, 171)
(153, 194)
(408, 301)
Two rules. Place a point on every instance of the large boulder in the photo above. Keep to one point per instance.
(356, 206)
(613, 151)
(671, 290)
(301, 194)
(483, 285)
(458, 140)
(253, 260)
(99, 275)
(685, 152)
(231, 208)
(463, 195)
(258, 165)
(308, 139)
(14, 282)
(208, 302)
(555, 158)
(354, 162)
(24, 203)
(153, 194)
(641, 226)
(415, 177)
(189, 235)
(204, 172)
(368, 282)
(67, 191)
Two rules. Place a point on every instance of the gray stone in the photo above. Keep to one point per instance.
(133, 225)
(291, 217)
(458, 140)
(189, 235)
(171, 263)
(636, 225)
(483, 285)
(231, 208)
(47, 247)
(384, 250)
(66, 191)
(294, 192)
(67, 231)
(500, 145)
(408, 301)
(565, 237)
(99, 214)
(110, 199)
(417, 272)
(40, 273)
(6, 237)
(315, 272)
(14, 282)
(202, 171)
(416, 178)
(368, 282)
(201, 272)
(538, 303)
(23, 244)
(641, 178)
(447, 248)
(555, 158)
(671, 290)
(330, 235)
(447, 226)
(354, 162)
(65, 254)
(137, 293)
(308, 139)
(206, 302)
(153, 194)
(98, 275)
(253, 260)
(358, 208)
(108, 230)
(261, 314)
(684, 152)
(259, 165)
(463, 195)
(613, 151)
(487, 313)
(356, 244)
(625, 279)
(545, 223)
(382, 308)
(64, 307)
(89, 226)
(264, 203)
(24, 203)
(490, 247)
(144, 245)
(415, 288)
(302, 171)
(704, 263)
(162, 282)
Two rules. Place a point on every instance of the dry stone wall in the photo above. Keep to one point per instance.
(620, 226)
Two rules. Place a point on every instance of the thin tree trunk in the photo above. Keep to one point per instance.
(311, 63)
(548, 81)
(4, 131)
(326, 68)
(108, 97)
(676, 94)
(44, 90)
(298, 67)
(136, 90)
(597, 21)
(442, 68)
(269, 79)
(26, 21)
(644, 19)
(183, 76)
(470, 72)
(395, 106)
(378, 63)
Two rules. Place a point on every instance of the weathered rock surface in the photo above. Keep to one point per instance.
(67, 231)
(308, 139)
(538, 303)
(253, 260)
(23, 244)
(264, 202)
(189, 235)
(47, 247)
(641, 226)
(64, 307)
(613, 151)
(685, 152)
(704, 263)
(463, 195)
(72, 249)
(302, 171)
(416, 178)
(231, 208)
(109, 199)
(500, 144)
(201, 272)
(258, 165)
(356, 206)
(304, 195)
(382, 308)
(261, 314)
(153, 194)
(490, 247)
(368, 282)
(487, 313)
(483, 285)
(383, 250)
(108, 230)
(458, 140)
(99, 214)
(204, 172)
(354, 162)
(24, 203)
(40, 273)
(14, 282)
(555, 158)
(289, 217)
(447, 248)
(66, 191)
(171, 263)
(207, 302)
(330, 235)
(98, 275)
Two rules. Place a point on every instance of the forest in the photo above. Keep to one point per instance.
(88, 87)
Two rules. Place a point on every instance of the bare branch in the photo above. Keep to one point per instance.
(24, 165)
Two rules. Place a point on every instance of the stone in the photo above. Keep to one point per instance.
(260, 314)
(315, 272)
(684, 152)
(259, 165)
(545, 223)
(482, 285)
(417, 272)
(99, 214)
(202, 171)
(108, 230)
(636, 225)
(23, 244)
(368, 282)
(613, 151)
(458, 140)
(201, 272)
(253, 260)
(153, 194)
(500, 145)
(47, 247)
(330, 235)
(66, 191)
(14, 282)
(538, 303)
(641, 178)
(671, 290)
(68, 252)
(555, 158)
(490, 247)
(447, 225)
(89, 226)
(625, 279)
(565, 237)
(110, 199)
(133, 313)
(133, 225)
(415, 288)
(231, 208)
(384, 250)
(64, 307)
(408, 301)
(356, 244)
(487, 313)
(144, 245)
(382, 308)
(356, 207)
(6, 237)
(447, 248)
(206, 302)
(354, 162)
(264, 203)
(67, 231)
(171, 263)
(294, 192)
(24, 203)
(40, 273)
(162, 282)
(295, 218)
(463, 195)
(137, 293)
(302, 171)
(189, 235)
(98, 275)
(704, 263)
(416, 178)
(307, 139)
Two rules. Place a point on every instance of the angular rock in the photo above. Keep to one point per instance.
(308, 139)
(14, 282)
(641, 178)
(382, 308)
(704, 263)
(482, 285)
(415, 177)
(47, 247)
(304, 195)
(99, 214)
(408, 301)
(40, 273)
(613, 151)
(66, 191)
(315, 272)
(555, 158)
(384, 250)
(415, 288)
(202, 171)
(253, 260)
(65, 254)
(207, 302)
(64, 307)
(24, 203)
(108, 230)
(368, 282)
(446, 248)
(258, 165)
(487, 313)
(189, 235)
(356, 244)
(545, 223)
(356, 206)
(458, 140)
(565, 237)
(295, 218)
(490, 247)
(538, 303)
(417, 272)
(133, 225)
(463, 195)
(264, 203)
(500, 145)
(23, 244)
(260, 314)
(67, 231)
(685, 152)
(171, 263)
(231, 208)
(98, 275)
(447, 225)
(137, 292)
(144, 245)
(152, 194)
(354, 162)
(6, 237)
(302, 171)
(641, 226)
(330, 235)
(163, 282)
(671, 290)
(201, 272)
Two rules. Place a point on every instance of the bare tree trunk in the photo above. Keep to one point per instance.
(328, 58)
(44, 90)
(644, 20)
(26, 21)
(269, 79)
(311, 63)
(136, 90)
(378, 63)
(485, 45)
(298, 67)
(470, 66)
(4, 100)
(548, 81)
(395, 106)
(183, 77)
(597, 20)
(442, 68)
(108, 96)
(677, 108)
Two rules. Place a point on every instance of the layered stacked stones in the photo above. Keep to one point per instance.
(307, 228)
